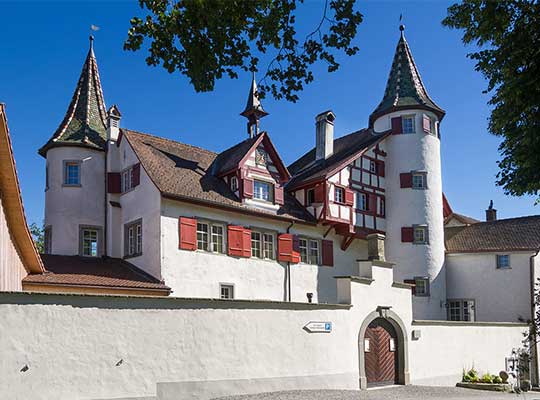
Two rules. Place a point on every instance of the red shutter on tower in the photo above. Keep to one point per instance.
(328, 253)
(396, 126)
(246, 243)
(187, 231)
(380, 167)
(113, 182)
(278, 195)
(288, 248)
(247, 187)
(411, 282)
(407, 234)
(319, 194)
(426, 124)
(235, 240)
(349, 197)
(405, 180)
(136, 175)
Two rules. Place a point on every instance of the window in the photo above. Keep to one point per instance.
(309, 251)
(72, 173)
(218, 245)
(372, 167)
(133, 239)
(202, 236)
(419, 180)
(256, 244)
(339, 195)
(503, 261)
(310, 196)
(234, 183)
(461, 310)
(268, 246)
(362, 201)
(408, 124)
(262, 191)
(47, 240)
(303, 244)
(314, 252)
(226, 291)
(127, 180)
(420, 234)
(382, 207)
(89, 242)
(421, 286)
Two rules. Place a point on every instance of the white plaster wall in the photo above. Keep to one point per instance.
(407, 207)
(12, 269)
(68, 207)
(199, 273)
(499, 294)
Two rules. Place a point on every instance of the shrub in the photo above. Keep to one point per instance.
(497, 379)
(472, 372)
(486, 378)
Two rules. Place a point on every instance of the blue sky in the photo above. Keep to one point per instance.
(44, 44)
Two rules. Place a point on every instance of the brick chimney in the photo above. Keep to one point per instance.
(491, 213)
(324, 135)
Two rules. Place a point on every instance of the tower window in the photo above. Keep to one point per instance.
(419, 180)
(90, 241)
(72, 173)
(420, 234)
(408, 124)
(421, 286)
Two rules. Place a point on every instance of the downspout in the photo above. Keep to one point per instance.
(105, 244)
(289, 268)
(533, 278)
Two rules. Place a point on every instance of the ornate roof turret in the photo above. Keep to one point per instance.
(254, 110)
(404, 88)
(85, 121)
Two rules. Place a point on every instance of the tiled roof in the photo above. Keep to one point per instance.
(85, 121)
(230, 158)
(405, 88)
(95, 272)
(462, 218)
(513, 234)
(306, 168)
(184, 172)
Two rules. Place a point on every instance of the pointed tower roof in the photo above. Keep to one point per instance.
(253, 106)
(405, 88)
(85, 121)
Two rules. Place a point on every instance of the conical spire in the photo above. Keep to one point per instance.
(85, 121)
(254, 110)
(405, 88)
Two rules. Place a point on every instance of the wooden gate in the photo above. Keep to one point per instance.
(381, 353)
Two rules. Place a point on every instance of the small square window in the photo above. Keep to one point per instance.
(263, 191)
(339, 195)
(503, 261)
(419, 181)
(72, 173)
(421, 286)
(420, 234)
(226, 291)
(408, 124)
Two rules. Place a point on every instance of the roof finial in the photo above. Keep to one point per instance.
(254, 110)
(91, 42)
(401, 26)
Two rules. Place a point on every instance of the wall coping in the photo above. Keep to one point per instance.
(153, 302)
(359, 279)
(378, 263)
(468, 323)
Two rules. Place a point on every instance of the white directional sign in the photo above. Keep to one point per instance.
(318, 327)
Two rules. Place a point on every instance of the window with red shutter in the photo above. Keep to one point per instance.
(235, 240)
(278, 195)
(113, 182)
(136, 175)
(405, 180)
(246, 243)
(380, 168)
(349, 197)
(187, 232)
(407, 234)
(396, 126)
(288, 248)
(372, 203)
(328, 253)
(247, 188)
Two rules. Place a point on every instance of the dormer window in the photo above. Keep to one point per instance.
(407, 122)
(263, 191)
(234, 183)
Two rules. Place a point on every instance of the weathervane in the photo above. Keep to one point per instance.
(93, 28)
(401, 26)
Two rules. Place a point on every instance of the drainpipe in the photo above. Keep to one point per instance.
(105, 253)
(289, 268)
(535, 377)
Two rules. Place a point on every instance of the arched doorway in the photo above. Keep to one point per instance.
(383, 359)
(381, 353)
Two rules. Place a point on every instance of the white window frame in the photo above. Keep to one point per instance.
(229, 289)
(126, 180)
(133, 237)
(466, 309)
(269, 246)
(419, 180)
(339, 198)
(499, 264)
(83, 229)
(362, 201)
(67, 180)
(404, 126)
(234, 183)
(256, 244)
(425, 234)
(303, 245)
(260, 194)
(217, 240)
(314, 255)
(372, 167)
(203, 237)
(426, 286)
(211, 241)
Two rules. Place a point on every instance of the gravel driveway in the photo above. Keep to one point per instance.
(391, 393)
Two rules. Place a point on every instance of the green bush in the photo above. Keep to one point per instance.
(472, 372)
(475, 379)
(486, 378)
(497, 379)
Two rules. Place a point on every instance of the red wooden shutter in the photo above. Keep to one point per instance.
(136, 175)
(113, 182)
(407, 234)
(187, 230)
(287, 248)
(319, 194)
(426, 124)
(349, 197)
(235, 240)
(246, 243)
(278, 195)
(405, 180)
(380, 168)
(328, 253)
(247, 187)
(411, 282)
(372, 203)
(396, 126)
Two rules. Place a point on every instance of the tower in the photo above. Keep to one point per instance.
(254, 110)
(414, 210)
(75, 170)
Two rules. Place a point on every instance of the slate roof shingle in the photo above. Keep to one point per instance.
(513, 234)
(95, 272)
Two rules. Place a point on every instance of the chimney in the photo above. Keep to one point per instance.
(491, 213)
(324, 135)
(113, 123)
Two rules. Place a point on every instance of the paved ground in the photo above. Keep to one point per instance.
(393, 393)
